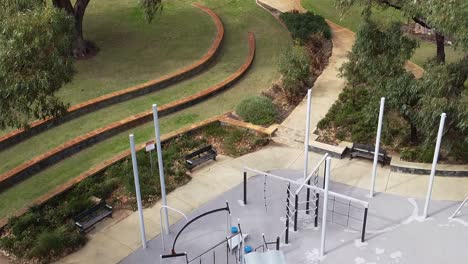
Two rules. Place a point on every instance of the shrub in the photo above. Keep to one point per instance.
(53, 242)
(294, 66)
(257, 110)
(302, 25)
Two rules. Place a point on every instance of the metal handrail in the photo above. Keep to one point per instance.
(160, 220)
(213, 247)
(318, 189)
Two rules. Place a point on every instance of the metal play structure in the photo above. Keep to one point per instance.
(459, 208)
(307, 198)
(234, 244)
(329, 205)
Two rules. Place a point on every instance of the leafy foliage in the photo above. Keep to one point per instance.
(258, 110)
(374, 43)
(302, 25)
(294, 66)
(445, 17)
(375, 69)
(35, 48)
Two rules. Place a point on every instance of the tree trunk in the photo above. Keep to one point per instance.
(440, 41)
(81, 47)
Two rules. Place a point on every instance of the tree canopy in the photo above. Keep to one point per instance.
(35, 48)
(447, 18)
(37, 42)
(377, 62)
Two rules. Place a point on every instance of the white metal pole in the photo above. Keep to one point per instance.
(307, 130)
(434, 163)
(377, 146)
(161, 167)
(459, 208)
(137, 190)
(325, 208)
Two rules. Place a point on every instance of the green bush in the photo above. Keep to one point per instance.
(294, 66)
(302, 25)
(257, 110)
(54, 242)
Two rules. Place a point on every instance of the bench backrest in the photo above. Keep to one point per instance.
(89, 211)
(369, 148)
(199, 151)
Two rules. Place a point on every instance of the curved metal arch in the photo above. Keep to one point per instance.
(195, 219)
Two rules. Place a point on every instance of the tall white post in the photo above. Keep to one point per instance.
(325, 207)
(307, 132)
(137, 190)
(161, 168)
(377, 146)
(434, 163)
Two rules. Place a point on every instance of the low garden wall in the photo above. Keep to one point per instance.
(75, 145)
(396, 164)
(75, 111)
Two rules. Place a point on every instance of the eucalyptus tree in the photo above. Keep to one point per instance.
(35, 61)
(37, 44)
(82, 47)
(446, 18)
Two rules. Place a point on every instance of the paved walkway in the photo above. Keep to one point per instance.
(115, 239)
(395, 232)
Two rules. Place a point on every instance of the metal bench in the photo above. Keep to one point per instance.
(367, 151)
(199, 156)
(86, 220)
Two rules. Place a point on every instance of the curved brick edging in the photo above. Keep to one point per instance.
(73, 146)
(124, 154)
(80, 109)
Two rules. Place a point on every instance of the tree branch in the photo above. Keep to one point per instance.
(418, 20)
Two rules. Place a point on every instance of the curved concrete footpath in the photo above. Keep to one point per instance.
(328, 85)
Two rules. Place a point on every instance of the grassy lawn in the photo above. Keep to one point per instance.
(231, 59)
(352, 19)
(239, 16)
(133, 51)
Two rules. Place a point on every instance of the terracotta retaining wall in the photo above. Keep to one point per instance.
(73, 146)
(80, 109)
(103, 165)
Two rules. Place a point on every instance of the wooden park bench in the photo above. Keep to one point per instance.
(367, 151)
(86, 220)
(199, 156)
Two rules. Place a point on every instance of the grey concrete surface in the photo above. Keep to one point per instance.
(395, 232)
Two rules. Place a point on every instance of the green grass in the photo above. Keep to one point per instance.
(55, 136)
(352, 19)
(133, 51)
(238, 16)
